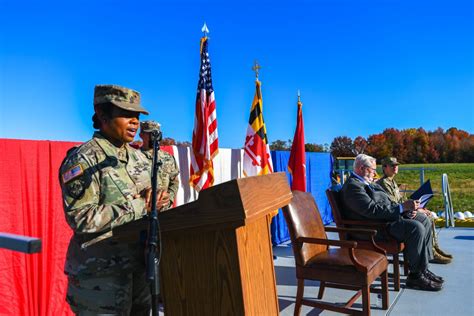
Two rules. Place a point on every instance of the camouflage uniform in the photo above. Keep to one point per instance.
(389, 184)
(391, 188)
(99, 183)
(167, 175)
(168, 172)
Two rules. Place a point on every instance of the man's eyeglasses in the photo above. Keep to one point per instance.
(371, 169)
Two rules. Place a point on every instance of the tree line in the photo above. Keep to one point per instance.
(309, 147)
(412, 145)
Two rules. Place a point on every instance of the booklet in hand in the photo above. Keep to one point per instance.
(424, 193)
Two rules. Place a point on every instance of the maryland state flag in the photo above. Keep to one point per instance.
(205, 138)
(257, 159)
(297, 163)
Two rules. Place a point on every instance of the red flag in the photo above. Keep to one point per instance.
(297, 162)
(205, 139)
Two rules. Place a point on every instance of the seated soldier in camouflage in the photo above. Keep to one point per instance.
(105, 183)
(387, 182)
(168, 181)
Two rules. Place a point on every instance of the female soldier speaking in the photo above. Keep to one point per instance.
(106, 183)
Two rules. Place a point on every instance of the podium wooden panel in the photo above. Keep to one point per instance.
(217, 256)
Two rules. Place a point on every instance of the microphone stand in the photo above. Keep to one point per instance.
(152, 272)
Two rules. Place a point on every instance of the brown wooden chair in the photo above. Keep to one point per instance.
(391, 246)
(346, 267)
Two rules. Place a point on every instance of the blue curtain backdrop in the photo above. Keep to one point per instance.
(318, 178)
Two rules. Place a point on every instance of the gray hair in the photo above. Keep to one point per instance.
(363, 160)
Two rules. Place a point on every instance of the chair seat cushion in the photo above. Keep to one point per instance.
(340, 257)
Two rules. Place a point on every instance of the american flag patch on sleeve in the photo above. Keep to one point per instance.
(72, 173)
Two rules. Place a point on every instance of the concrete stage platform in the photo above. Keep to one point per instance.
(456, 298)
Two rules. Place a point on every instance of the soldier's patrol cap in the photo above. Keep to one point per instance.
(149, 126)
(390, 161)
(121, 97)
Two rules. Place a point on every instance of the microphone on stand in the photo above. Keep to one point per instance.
(154, 234)
(156, 134)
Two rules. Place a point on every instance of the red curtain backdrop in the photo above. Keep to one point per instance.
(31, 205)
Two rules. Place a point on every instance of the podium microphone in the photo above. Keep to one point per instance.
(156, 134)
(154, 233)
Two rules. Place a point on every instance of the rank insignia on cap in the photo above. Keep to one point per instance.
(72, 173)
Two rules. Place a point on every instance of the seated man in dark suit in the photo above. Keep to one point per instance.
(363, 199)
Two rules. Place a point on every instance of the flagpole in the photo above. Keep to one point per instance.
(256, 67)
(205, 144)
(205, 30)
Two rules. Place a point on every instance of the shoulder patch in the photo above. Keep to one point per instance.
(76, 188)
(73, 172)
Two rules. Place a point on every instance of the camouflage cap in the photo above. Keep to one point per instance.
(390, 161)
(121, 97)
(149, 126)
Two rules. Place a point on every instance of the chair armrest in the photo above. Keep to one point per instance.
(371, 232)
(328, 242)
(349, 245)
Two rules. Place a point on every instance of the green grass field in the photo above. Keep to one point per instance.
(461, 183)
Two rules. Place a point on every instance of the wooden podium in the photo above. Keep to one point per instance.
(217, 254)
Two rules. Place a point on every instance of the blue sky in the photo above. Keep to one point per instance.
(362, 66)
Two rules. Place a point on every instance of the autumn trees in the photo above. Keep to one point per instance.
(410, 145)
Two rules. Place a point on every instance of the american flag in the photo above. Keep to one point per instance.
(205, 139)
